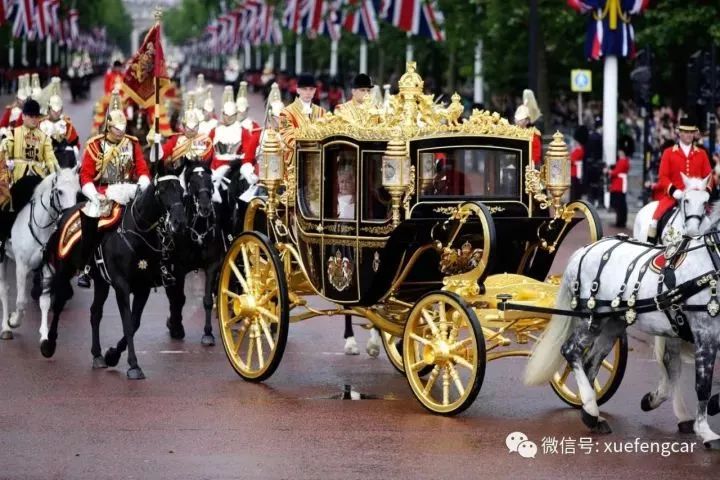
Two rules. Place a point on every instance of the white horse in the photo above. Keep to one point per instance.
(31, 231)
(687, 219)
(584, 342)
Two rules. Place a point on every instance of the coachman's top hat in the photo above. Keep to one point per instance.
(305, 80)
(687, 124)
(362, 80)
(31, 108)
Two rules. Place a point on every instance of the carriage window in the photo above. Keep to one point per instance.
(309, 195)
(482, 172)
(341, 168)
(376, 200)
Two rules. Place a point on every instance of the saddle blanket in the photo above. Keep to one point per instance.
(71, 231)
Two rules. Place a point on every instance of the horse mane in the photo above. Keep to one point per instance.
(713, 216)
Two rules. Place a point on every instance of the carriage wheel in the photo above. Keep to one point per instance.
(443, 333)
(393, 350)
(585, 209)
(607, 382)
(253, 308)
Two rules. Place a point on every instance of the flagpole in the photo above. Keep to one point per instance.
(409, 51)
(156, 109)
(363, 56)
(333, 58)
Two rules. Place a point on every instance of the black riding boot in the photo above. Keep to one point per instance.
(89, 241)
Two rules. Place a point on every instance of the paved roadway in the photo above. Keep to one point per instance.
(195, 418)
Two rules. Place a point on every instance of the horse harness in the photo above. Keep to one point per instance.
(196, 236)
(54, 205)
(670, 297)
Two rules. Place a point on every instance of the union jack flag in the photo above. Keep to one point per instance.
(419, 17)
(323, 18)
(294, 14)
(361, 19)
(6, 7)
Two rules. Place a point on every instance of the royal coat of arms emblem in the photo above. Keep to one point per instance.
(340, 271)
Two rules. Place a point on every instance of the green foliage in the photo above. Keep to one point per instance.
(189, 19)
(109, 13)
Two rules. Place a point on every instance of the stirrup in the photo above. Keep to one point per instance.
(83, 280)
(166, 277)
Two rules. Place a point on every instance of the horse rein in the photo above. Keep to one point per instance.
(54, 200)
(195, 235)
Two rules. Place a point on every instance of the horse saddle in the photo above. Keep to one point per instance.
(71, 231)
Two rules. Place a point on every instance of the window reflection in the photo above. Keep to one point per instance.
(376, 200)
(309, 195)
(482, 172)
(341, 166)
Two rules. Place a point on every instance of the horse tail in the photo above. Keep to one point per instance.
(546, 358)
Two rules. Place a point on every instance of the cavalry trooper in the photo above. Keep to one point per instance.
(113, 157)
(235, 142)
(525, 117)
(299, 113)
(188, 145)
(27, 157)
(57, 126)
(683, 157)
(12, 116)
(355, 110)
(209, 121)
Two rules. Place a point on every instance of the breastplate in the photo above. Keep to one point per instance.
(117, 163)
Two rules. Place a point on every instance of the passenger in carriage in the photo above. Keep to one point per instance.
(346, 191)
(684, 157)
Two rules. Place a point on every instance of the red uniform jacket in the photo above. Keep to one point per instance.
(92, 166)
(250, 139)
(537, 147)
(178, 146)
(5, 120)
(110, 79)
(618, 175)
(673, 162)
(576, 160)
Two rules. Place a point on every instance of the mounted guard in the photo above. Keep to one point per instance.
(59, 127)
(12, 117)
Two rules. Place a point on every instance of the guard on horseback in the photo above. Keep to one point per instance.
(12, 116)
(26, 157)
(682, 158)
(188, 145)
(111, 158)
(235, 142)
(59, 127)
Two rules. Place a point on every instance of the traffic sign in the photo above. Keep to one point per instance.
(581, 80)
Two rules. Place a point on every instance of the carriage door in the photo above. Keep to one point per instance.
(340, 219)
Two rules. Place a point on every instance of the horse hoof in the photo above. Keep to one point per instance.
(208, 340)
(713, 406)
(712, 444)
(602, 428)
(645, 404)
(686, 427)
(6, 335)
(47, 348)
(351, 347)
(590, 421)
(177, 332)
(112, 357)
(373, 351)
(15, 320)
(135, 373)
(99, 362)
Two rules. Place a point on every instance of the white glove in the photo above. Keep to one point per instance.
(10, 164)
(143, 182)
(247, 170)
(677, 194)
(91, 192)
(157, 139)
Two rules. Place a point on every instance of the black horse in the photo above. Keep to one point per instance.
(65, 154)
(131, 261)
(201, 248)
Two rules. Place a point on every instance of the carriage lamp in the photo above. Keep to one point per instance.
(427, 171)
(271, 169)
(557, 171)
(396, 175)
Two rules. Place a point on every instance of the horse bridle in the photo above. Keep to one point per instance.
(195, 235)
(687, 217)
(54, 202)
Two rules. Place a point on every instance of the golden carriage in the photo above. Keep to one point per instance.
(418, 222)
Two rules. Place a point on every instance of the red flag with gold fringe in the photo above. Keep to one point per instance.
(147, 64)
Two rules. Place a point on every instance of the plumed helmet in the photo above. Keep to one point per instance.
(116, 117)
(242, 97)
(229, 107)
(200, 83)
(274, 102)
(532, 105)
(55, 102)
(208, 103)
(35, 89)
(23, 87)
(192, 117)
(522, 113)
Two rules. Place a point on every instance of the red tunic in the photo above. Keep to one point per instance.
(672, 163)
(249, 142)
(618, 175)
(5, 120)
(537, 148)
(91, 166)
(576, 159)
(174, 149)
(110, 79)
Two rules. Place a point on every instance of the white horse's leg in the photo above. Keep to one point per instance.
(373, 344)
(21, 273)
(45, 303)
(351, 346)
(5, 334)
(705, 352)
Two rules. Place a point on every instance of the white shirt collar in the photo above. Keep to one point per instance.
(685, 148)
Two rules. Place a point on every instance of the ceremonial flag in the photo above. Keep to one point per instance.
(419, 17)
(6, 7)
(361, 19)
(146, 65)
(323, 18)
(295, 12)
(42, 16)
(23, 24)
